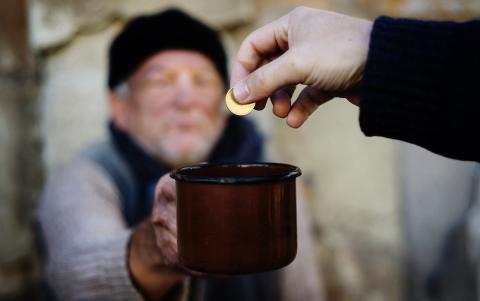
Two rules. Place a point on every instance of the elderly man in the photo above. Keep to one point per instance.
(107, 236)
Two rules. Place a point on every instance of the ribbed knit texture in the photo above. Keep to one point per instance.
(421, 85)
(86, 237)
(99, 274)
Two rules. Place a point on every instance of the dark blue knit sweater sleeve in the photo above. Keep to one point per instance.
(422, 85)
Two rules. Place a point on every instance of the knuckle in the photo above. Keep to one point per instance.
(300, 10)
(159, 189)
(299, 65)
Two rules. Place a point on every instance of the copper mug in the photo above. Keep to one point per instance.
(236, 218)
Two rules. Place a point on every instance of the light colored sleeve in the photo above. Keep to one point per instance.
(85, 235)
(301, 280)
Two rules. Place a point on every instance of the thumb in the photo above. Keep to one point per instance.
(265, 80)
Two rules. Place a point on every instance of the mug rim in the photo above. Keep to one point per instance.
(179, 173)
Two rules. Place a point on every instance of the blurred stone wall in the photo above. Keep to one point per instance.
(20, 163)
(353, 183)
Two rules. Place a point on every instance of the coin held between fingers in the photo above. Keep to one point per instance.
(235, 107)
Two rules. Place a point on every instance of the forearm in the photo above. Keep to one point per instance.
(152, 278)
(420, 85)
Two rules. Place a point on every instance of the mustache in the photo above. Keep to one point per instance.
(187, 118)
(201, 140)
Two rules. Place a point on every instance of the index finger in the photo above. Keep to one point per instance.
(166, 187)
(269, 40)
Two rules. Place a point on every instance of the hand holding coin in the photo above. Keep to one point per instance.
(322, 50)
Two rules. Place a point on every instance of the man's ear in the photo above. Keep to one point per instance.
(118, 110)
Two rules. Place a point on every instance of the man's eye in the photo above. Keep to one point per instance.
(162, 81)
(202, 81)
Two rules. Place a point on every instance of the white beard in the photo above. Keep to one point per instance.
(198, 152)
(200, 144)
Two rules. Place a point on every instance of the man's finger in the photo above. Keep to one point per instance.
(306, 103)
(165, 216)
(260, 105)
(167, 243)
(166, 189)
(260, 44)
(264, 81)
(281, 101)
(165, 239)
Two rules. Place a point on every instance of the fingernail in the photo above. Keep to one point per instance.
(240, 92)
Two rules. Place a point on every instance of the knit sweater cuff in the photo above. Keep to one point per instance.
(116, 270)
(405, 81)
(100, 273)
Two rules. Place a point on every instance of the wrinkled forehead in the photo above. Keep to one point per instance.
(177, 59)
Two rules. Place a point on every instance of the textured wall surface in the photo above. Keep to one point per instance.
(20, 164)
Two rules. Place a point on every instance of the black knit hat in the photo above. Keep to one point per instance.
(146, 35)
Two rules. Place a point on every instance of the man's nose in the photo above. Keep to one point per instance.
(185, 94)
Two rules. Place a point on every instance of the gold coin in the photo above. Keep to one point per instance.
(235, 107)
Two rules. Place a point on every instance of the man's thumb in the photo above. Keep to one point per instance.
(268, 78)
